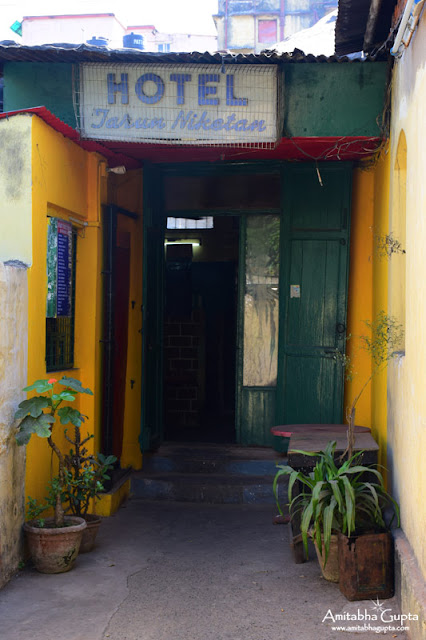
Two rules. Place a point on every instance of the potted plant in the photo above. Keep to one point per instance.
(84, 482)
(345, 498)
(332, 499)
(366, 557)
(55, 545)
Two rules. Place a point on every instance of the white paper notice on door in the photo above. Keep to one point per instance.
(295, 291)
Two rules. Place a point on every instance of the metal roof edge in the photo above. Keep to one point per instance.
(11, 51)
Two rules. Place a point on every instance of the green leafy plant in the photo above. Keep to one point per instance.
(34, 511)
(38, 415)
(335, 497)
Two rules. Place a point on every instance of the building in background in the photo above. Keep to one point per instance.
(155, 40)
(247, 26)
(317, 40)
(105, 29)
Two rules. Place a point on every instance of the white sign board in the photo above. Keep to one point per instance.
(179, 104)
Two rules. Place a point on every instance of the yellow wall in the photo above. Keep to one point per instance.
(70, 182)
(407, 374)
(368, 294)
(380, 299)
(66, 182)
(15, 189)
(360, 293)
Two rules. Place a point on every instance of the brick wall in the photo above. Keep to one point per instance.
(183, 370)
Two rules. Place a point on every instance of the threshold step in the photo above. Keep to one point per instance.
(179, 464)
(224, 459)
(207, 488)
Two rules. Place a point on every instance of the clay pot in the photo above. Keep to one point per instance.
(331, 570)
(91, 531)
(52, 549)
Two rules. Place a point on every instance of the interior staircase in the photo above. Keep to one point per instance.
(208, 473)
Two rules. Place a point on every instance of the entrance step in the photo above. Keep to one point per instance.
(216, 474)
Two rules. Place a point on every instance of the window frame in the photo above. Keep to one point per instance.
(61, 356)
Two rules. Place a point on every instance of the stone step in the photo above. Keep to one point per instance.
(214, 459)
(209, 473)
(210, 488)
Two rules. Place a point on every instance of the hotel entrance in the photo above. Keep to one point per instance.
(245, 288)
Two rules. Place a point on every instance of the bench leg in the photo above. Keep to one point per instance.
(296, 546)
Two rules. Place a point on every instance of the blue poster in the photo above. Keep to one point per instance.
(59, 268)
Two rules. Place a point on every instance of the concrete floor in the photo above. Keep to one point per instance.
(170, 571)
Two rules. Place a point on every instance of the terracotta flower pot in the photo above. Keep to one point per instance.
(93, 522)
(52, 549)
(331, 570)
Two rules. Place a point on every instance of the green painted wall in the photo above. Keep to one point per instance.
(332, 99)
(38, 84)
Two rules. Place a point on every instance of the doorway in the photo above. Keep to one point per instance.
(200, 328)
(262, 309)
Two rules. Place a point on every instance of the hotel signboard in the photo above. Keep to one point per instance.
(179, 104)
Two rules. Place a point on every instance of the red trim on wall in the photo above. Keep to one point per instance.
(134, 154)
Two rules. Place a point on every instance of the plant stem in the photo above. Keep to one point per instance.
(59, 510)
(351, 414)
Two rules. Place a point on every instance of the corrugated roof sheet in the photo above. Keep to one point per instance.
(75, 53)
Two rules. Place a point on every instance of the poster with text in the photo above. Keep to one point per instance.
(59, 268)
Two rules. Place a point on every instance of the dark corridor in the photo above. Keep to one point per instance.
(200, 329)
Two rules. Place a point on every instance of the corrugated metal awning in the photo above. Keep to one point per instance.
(75, 53)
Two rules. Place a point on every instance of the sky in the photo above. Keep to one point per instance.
(176, 16)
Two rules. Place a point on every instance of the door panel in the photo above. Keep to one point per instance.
(121, 315)
(313, 389)
(152, 318)
(259, 310)
(257, 416)
(312, 317)
(314, 293)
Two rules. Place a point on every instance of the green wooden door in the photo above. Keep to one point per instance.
(152, 316)
(314, 275)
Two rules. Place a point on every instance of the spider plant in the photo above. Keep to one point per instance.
(335, 497)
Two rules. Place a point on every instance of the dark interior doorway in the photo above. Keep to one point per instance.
(200, 331)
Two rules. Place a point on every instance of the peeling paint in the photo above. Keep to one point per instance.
(13, 368)
(15, 191)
